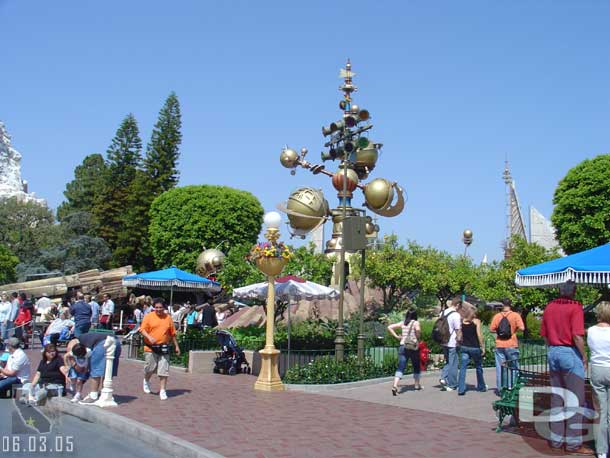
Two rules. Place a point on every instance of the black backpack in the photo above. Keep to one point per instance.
(504, 331)
(440, 332)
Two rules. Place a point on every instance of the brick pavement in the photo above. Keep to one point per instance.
(226, 415)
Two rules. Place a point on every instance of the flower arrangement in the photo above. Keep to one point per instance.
(270, 250)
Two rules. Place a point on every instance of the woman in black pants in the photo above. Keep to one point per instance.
(409, 348)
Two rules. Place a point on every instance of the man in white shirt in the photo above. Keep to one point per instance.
(449, 379)
(107, 312)
(17, 370)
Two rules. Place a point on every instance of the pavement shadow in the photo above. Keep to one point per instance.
(175, 393)
(124, 399)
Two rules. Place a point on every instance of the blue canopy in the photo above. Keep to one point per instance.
(590, 267)
(172, 278)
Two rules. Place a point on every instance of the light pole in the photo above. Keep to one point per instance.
(269, 260)
(467, 239)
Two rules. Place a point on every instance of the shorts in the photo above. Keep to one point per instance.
(157, 362)
(84, 376)
(97, 360)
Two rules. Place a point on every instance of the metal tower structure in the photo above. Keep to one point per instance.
(515, 224)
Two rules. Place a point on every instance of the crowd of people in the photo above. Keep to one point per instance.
(563, 330)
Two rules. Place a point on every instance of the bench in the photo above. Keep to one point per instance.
(510, 399)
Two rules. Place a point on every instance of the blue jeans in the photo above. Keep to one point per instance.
(511, 357)
(450, 370)
(475, 353)
(4, 327)
(568, 372)
(8, 382)
(81, 329)
(403, 357)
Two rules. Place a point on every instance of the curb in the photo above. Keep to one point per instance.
(311, 388)
(314, 388)
(171, 445)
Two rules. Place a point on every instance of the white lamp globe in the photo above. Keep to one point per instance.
(272, 220)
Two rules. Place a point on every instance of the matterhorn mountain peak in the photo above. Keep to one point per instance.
(11, 184)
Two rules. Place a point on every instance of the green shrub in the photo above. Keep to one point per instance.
(533, 326)
(327, 370)
(485, 315)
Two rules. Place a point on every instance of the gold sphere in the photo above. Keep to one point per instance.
(379, 193)
(367, 157)
(210, 261)
(305, 208)
(467, 234)
(289, 158)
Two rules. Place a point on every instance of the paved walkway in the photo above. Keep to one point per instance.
(226, 415)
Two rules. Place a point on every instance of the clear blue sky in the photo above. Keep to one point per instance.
(453, 87)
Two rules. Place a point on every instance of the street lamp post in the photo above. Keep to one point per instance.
(269, 376)
(467, 239)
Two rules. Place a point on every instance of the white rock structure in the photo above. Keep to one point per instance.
(11, 184)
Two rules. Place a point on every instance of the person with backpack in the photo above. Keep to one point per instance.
(447, 332)
(505, 324)
(409, 348)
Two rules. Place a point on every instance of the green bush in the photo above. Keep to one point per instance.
(327, 370)
(533, 326)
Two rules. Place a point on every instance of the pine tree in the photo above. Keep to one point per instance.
(163, 151)
(133, 247)
(81, 192)
(124, 157)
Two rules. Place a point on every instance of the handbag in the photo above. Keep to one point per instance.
(411, 342)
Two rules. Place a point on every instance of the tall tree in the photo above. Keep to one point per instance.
(124, 159)
(581, 215)
(8, 262)
(81, 192)
(133, 246)
(164, 148)
(184, 220)
(26, 227)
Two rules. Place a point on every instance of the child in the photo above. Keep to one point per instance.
(77, 360)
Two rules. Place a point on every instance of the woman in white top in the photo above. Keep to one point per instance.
(598, 340)
(409, 348)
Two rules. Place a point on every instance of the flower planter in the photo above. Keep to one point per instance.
(271, 266)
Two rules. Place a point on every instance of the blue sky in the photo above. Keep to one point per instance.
(453, 87)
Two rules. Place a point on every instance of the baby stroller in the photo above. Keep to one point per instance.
(231, 360)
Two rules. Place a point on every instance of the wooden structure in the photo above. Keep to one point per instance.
(89, 282)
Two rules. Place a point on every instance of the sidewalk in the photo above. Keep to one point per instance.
(227, 416)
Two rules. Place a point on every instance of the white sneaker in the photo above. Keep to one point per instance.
(163, 395)
(146, 387)
(448, 388)
(76, 397)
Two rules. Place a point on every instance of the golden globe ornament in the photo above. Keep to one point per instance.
(209, 262)
(289, 158)
(366, 159)
(306, 209)
(378, 193)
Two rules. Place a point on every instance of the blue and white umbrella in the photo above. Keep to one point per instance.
(590, 267)
(173, 279)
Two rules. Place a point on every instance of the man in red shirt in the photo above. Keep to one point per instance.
(563, 330)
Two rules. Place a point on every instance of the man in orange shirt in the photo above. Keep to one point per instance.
(158, 330)
(506, 324)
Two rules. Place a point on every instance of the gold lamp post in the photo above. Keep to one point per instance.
(271, 266)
